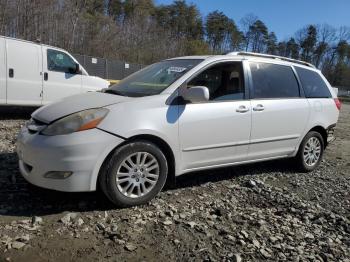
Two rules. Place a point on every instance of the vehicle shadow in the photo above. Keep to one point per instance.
(19, 198)
(14, 113)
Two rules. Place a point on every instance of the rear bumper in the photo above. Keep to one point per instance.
(80, 153)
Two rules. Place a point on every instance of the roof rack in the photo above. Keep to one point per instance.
(272, 57)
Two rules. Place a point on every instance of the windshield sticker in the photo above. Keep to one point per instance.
(176, 69)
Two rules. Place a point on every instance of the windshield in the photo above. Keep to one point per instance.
(153, 79)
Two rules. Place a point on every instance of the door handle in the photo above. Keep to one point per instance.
(11, 72)
(242, 109)
(46, 76)
(259, 107)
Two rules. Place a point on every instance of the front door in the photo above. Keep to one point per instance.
(216, 132)
(60, 80)
(279, 111)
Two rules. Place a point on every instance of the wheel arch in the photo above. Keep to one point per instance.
(161, 143)
(322, 131)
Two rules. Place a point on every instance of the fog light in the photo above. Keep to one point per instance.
(58, 174)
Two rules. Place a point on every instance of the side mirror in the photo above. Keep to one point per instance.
(196, 94)
(74, 70)
(77, 69)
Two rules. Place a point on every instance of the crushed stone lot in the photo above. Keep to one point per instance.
(259, 212)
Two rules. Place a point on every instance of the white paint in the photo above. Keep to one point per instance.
(29, 63)
(201, 136)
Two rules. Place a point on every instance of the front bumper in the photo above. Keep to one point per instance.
(81, 153)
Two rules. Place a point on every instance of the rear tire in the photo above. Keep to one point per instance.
(310, 152)
(134, 174)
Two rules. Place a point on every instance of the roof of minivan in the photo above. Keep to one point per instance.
(202, 57)
(253, 56)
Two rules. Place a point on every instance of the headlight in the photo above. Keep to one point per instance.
(80, 121)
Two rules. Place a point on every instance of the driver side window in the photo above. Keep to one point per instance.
(225, 81)
(60, 62)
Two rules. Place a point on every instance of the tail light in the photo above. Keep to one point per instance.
(337, 103)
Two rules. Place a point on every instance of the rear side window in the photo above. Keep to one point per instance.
(313, 84)
(273, 81)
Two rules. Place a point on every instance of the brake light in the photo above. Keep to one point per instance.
(337, 103)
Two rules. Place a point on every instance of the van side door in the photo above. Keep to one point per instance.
(2, 71)
(24, 67)
(280, 111)
(60, 76)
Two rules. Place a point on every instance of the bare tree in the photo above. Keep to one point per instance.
(140, 31)
(344, 33)
(246, 22)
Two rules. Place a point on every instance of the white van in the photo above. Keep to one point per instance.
(177, 116)
(34, 74)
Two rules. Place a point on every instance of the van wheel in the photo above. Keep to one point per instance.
(310, 152)
(135, 174)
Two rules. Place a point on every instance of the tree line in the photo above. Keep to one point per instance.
(142, 32)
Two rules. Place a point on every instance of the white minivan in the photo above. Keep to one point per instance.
(33, 74)
(177, 116)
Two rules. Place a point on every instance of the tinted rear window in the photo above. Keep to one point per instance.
(273, 81)
(312, 83)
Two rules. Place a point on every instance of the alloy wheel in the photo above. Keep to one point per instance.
(137, 174)
(312, 151)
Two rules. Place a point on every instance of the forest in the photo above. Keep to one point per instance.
(140, 31)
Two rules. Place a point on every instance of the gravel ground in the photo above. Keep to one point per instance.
(260, 212)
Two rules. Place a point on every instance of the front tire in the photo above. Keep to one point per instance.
(134, 174)
(310, 152)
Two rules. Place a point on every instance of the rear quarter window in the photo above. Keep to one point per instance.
(273, 81)
(313, 84)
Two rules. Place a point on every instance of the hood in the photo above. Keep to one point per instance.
(76, 103)
(101, 80)
(94, 83)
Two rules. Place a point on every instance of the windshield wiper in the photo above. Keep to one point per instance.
(114, 92)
